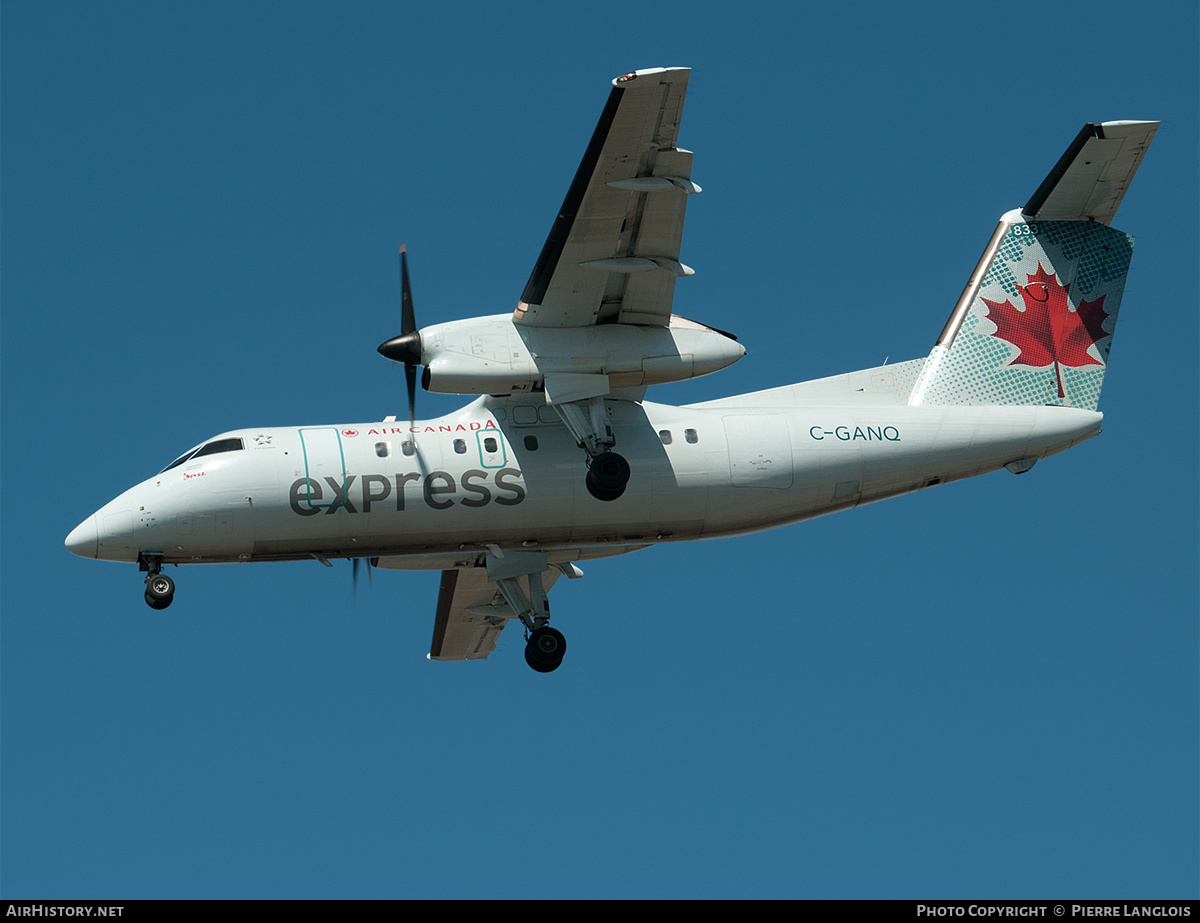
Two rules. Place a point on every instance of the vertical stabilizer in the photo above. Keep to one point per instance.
(1035, 322)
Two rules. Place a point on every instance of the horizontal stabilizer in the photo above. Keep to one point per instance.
(1090, 179)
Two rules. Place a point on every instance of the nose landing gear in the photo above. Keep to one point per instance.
(160, 589)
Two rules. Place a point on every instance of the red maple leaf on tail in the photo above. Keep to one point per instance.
(1048, 331)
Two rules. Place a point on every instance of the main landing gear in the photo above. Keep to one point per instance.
(544, 646)
(587, 421)
(160, 589)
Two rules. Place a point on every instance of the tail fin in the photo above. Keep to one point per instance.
(1035, 322)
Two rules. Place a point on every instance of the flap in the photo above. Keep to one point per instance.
(471, 613)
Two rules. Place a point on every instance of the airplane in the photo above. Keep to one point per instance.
(559, 459)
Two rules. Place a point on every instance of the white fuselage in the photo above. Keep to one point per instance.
(502, 474)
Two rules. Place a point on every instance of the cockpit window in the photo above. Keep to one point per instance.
(210, 448)
(180, 460)
(220, 445)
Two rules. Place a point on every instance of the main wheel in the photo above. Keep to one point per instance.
(155, 603)
(545, 649)
(608, 474)
(540, 667)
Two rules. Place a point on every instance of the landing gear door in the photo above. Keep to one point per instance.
(324, 467)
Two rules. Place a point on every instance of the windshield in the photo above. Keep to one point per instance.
(231, 444)
(180, 460)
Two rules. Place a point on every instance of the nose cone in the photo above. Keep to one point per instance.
(83, 539)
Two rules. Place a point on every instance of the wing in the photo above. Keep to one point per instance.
(471, 613)
(1090, 179)
(613, 253)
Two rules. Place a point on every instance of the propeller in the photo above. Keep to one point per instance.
(406, 348)
(354, 579)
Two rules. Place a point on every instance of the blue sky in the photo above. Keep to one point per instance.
(985, 690)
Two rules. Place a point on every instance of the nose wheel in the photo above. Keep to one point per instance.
(160, 589)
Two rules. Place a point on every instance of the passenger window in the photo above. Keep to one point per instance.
(531, 443)
(460, 447)
(665, 436)
(408, 447)
(691, 436)
(489, 444)
(382, 449)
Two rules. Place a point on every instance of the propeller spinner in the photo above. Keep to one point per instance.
(406, 348)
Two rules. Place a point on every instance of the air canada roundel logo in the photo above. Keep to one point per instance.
(1047, 332)
(349, 432)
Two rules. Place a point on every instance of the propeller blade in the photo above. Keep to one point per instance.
(408, 320)
(406, 348)
(354, 571)
(410, 378)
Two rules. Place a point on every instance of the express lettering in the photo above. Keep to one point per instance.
(868, 433)
(439, 489)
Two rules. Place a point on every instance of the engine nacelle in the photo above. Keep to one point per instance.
(493, 355)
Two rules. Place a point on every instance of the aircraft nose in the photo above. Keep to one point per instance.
(83, 538)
